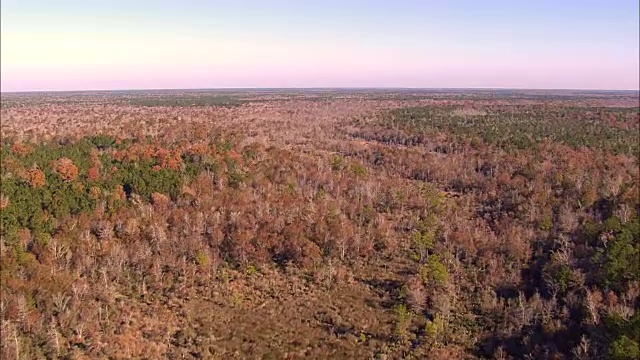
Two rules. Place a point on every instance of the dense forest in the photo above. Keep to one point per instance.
(335, 225)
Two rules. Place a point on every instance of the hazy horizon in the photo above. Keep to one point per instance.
(161, 45)
(284, 89)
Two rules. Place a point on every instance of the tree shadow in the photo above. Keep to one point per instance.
(388, 291)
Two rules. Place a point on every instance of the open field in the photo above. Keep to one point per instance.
(320, 224)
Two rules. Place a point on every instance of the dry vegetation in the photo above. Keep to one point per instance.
(320, 224)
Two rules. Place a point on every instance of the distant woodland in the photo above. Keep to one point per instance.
(326, 225)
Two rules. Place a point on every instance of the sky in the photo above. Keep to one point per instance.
(161, 44)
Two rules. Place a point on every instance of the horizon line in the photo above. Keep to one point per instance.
(325, 88)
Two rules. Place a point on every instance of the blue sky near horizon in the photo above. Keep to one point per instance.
(79, 45)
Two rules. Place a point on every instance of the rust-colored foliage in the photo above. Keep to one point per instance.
(36, 177)
(66, 169)
(199, 149)
(21, 149)
(118, 155)
(160, 201)
(171, 159)
(95, 158)
(341, 212)
(234, 155)
(119, 193)
(94, 173)
(95, 192)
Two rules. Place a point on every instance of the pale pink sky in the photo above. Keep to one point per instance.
(76, 46)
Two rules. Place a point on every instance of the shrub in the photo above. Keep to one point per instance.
(95, 192)
(160, 201)
(424, 241)
(66, 169)
(94, 174)
(21, 149)
(337, 163)
(201, 258)
(36, 177)
(403, 320)
(434, 272)
(622, 262)
(236, 178)
(359, 170)
(435, 329)
(624, 348)
(102, 141)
